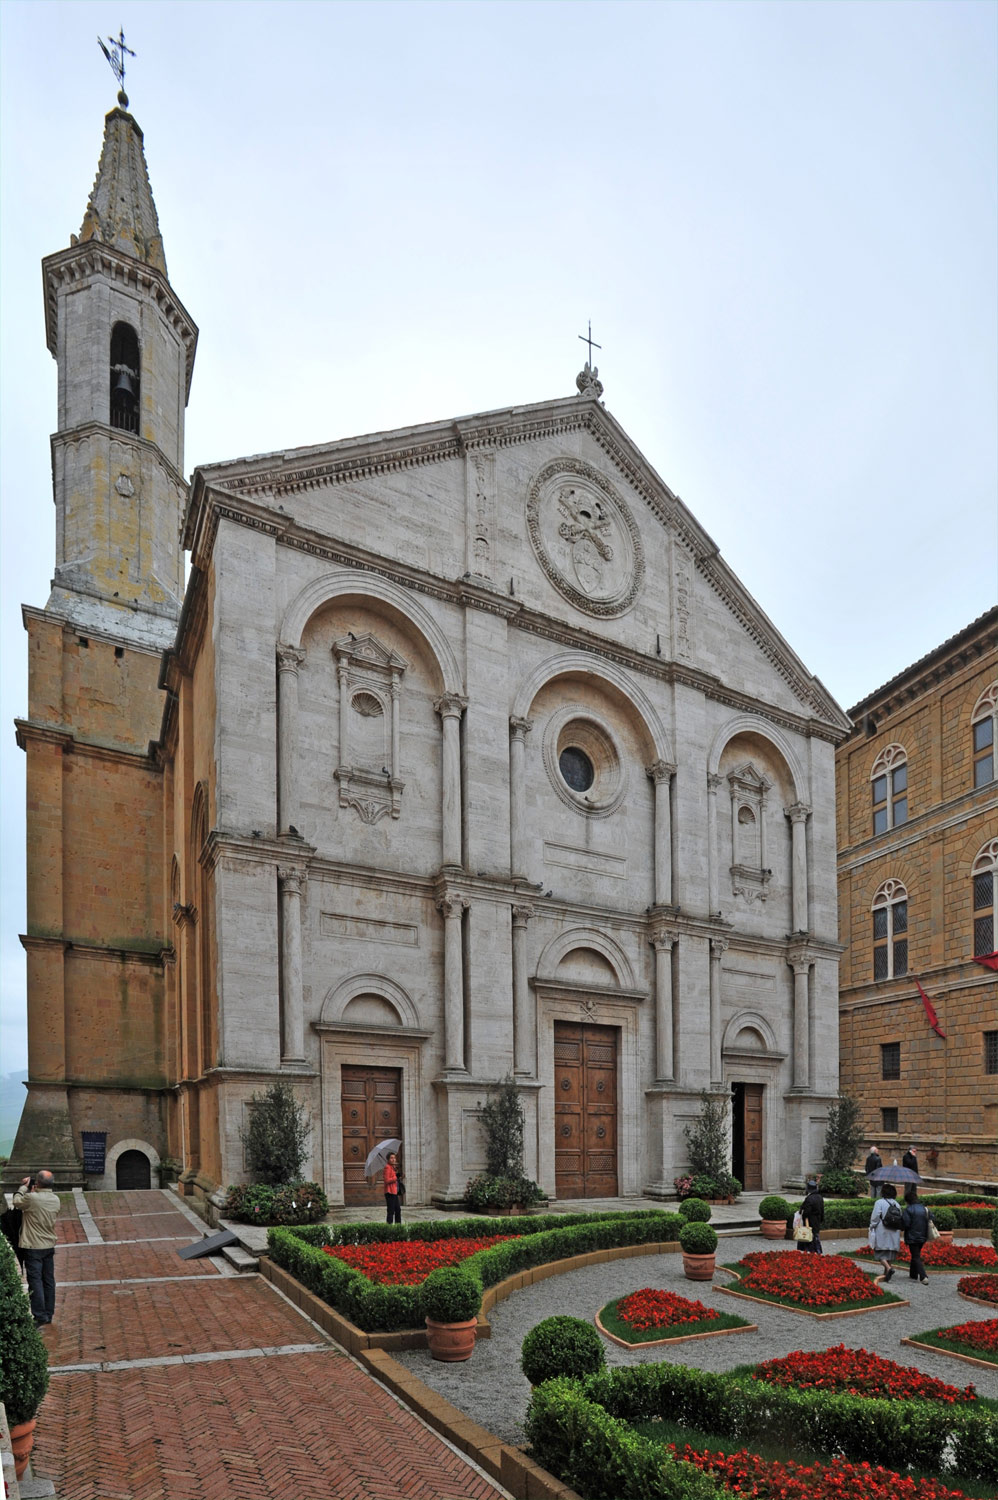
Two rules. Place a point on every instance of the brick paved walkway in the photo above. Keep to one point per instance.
(228, 1390)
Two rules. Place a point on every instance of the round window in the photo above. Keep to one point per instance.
(577, 769)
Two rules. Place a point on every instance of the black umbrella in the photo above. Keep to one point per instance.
(894, 1174)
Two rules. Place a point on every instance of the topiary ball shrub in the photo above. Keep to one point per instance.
(24, 1372)
(561, 1346)
(774, 1207)
(943, 1217)
(840, 1183)
(698, 1239)
(695, 1210)
(450, 1295)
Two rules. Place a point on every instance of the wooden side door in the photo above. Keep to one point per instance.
(371, 1108)
(752, 1118)
(585, 1111)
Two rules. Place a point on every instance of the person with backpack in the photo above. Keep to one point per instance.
(886, 1223)
(916, 1218)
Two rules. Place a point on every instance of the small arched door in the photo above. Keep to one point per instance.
(132, 1170)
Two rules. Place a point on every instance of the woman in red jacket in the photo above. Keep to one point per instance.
(394, 1215)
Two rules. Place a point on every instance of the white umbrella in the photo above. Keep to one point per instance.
(376, 1159)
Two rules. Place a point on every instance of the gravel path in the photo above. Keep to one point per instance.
(491, 1389)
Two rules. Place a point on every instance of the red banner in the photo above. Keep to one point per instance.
(930, 1013)
(989, 960)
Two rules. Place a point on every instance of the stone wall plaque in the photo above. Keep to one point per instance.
(585, 537)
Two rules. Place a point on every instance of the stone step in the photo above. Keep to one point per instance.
(240, 1258)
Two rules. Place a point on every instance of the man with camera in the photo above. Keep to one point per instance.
(39, 1206)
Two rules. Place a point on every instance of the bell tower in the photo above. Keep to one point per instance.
(124, 345)
(98, 938)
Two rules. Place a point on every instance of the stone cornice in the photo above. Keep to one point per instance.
(238, 847)
(594, 991)
(91, 258)
(93, 633)
(46, 734)
(67, 436)
(924, 676)
(101, 953)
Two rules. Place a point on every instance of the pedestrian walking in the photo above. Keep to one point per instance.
(39, 1205)
(872, 1163)
(813, 1213)
(884, 1234)
(917, 1219)
(392, 1184)
(910, 1159)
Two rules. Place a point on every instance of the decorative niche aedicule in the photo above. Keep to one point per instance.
(750, 875)
(370, 683)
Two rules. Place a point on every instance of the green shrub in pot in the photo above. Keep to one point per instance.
(450, 1295)
(774, 1207)
(695, 1210)
(24, 1374)
(944, 1218)
(698, 1239)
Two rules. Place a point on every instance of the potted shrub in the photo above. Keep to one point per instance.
(774, 1212)
(24, 1375)
(561, 1345)
(451, 1299)
(503, 1187)
(709, 1151)
(945, 1221)
(698, 1242)
(695, 1211)
(838, 1182)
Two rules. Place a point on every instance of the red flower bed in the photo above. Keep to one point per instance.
(974, 1335)
(859, 1373)
(808, 1280)
(985, 1287)
(974, 1203)
(407, 1262)
(650, 1308)
(746, 1473)
(940, 1253)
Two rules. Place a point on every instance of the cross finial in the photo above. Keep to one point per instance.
(588, 339)
(116, 61)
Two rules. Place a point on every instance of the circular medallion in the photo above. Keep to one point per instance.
(585, 537)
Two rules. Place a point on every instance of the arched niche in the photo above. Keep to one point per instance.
(627, 694)
(366, 1000)
(752, 727)
(749, 1032)
(584, 940)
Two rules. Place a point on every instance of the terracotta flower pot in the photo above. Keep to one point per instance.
(22, 1440)
(774, 1229)
(699, 1267)
(451, 1341)
(945, 1236)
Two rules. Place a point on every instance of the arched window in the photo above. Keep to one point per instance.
(889, 778)
(125, 377)
(983, 727)
(983, 874)
(890, 931)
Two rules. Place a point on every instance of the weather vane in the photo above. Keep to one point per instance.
(588, 339)
(116, 61)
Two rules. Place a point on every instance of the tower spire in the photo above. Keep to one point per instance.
(121, 211)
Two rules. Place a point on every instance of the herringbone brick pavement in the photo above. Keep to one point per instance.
(99, 1323)
(291, 1427)
(69, 1231)
(133, 1201)
(125, 1262)
(146, 1226)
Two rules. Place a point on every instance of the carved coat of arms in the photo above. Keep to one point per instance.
(585, 537)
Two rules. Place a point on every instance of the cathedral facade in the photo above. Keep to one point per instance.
(463, 755)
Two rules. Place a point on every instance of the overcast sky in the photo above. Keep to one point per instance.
(780, 218)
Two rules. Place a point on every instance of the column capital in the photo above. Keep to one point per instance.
(520, 728)
(452, 905)
(713, 782)
(290, 658)
(522, 912)
(660, 770)
(292, 878)
(797, 812)
(450, 705)
(799, 958)
(663, 942)
(717, 947)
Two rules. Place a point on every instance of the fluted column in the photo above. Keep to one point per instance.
(291, 879)
(717, 948)
(519, 860)
(713, 899)
(453, 909)
(289, 660)
(661, 774)
(524, 1029)
(663, 944)
(450, 707)
(798, 814)
(802, 1032)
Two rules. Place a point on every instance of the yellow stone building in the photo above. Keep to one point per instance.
(918, 882)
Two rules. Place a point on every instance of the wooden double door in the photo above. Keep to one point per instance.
(371, 1106)
(585, 1110)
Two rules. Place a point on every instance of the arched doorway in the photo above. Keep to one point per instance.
(132, 1170)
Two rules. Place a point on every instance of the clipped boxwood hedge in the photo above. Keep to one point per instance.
(386, 1309)
(588, 1417)
(854, 1213)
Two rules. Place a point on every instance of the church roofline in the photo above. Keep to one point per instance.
(267, 476)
